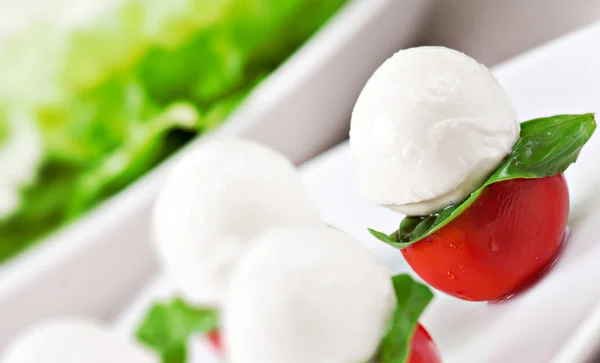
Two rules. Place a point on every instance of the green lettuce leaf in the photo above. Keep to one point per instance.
(4, 127)
(546, 146)
(166, 328)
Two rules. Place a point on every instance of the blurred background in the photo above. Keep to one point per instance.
(96, 94)
(494, 31)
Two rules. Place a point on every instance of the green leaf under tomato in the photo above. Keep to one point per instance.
(412, 299)
(546, 147)
(383, 237)
(167, 328)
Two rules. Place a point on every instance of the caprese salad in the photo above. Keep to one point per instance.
(260, 274)
(435, 137)
(302, 295)
(264, 278)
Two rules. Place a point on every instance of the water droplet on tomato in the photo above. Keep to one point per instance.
(452, 245)
(463, 295)
(451, 275)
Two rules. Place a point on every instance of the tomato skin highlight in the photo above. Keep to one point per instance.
(507, 238)
(422, 347)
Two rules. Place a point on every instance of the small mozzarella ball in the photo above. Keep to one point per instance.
(306, 295)
(428, 128)
(74, 341)
(218, 197)
(21, 151)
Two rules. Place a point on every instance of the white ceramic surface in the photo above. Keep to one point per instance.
(551, 322)
(493, 31)
(94, 266)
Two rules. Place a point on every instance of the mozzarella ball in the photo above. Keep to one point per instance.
(429, 127)
(74, 341)
(217, 198)
(306, 295)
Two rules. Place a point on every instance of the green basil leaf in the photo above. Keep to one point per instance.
(383, 237)
(412, 299)
(546, 147)
(167, 328)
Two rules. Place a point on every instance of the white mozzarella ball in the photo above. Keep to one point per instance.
(74, 341)
(306, 295)
(218, 197)
(429, 127)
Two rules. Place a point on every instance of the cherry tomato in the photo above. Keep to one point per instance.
(214, 338)
(422, 347)
(510, 235)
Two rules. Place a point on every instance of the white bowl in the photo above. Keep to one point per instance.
(95, 265)
(557, 319)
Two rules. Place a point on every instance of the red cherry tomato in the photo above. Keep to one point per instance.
(422, 347)
(511, 234)
(214, 338)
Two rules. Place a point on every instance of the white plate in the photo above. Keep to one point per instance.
(94, 266)
(544, 324)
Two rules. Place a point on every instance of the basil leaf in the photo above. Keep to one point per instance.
(546, 147)
(391, 239)
(167, 328)
(412, 299)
